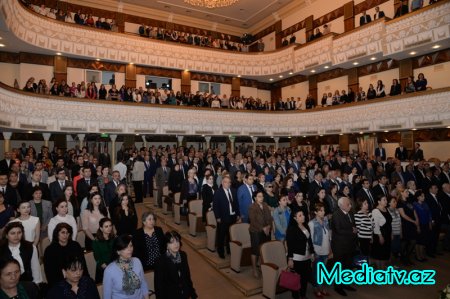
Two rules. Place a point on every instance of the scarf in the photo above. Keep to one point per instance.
(130, 280)
(175, 259)
(21, 294)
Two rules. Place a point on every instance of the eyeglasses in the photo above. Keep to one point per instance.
(269, 186)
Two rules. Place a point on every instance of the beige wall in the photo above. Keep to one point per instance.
(269, 42)
(386, 77)
(37, 71)
(264, 95)
(437, 75)
(336, 26)
(387, 8)
(331, 85)
(297, 90)
(249, 92)
(9, 72)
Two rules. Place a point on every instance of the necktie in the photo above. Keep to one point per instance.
(3, 190)
(384, 190)
(370, 196)
(165, 172)
(62, 184)
(349, 218)
(88, 182)
(230, 198)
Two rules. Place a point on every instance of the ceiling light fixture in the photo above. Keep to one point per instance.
(281, 76)
(326, 67)
(211, 3)
(58, 53)
(291, 73)
(271, 79)
(373, 58)
(313, 71)
(413, 53)
(436, 46)
(355, 63)
(414, 129)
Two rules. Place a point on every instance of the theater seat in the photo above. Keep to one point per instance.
(211, 229)
(273, 261)
(176, 208)
(166, 204)
(195, 217)
(81, 237)
(240, 247)
(100, 290)
(150, 279)
(44, 278)
(43, 245)
(91, 264)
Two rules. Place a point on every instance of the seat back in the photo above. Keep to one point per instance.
(44, 244)
(239, 232)
(195, 206)
(211, 218)
(80, 238)
(274, 252)
(100, 290)
(90, 263)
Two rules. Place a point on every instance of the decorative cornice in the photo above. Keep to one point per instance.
(22, 111)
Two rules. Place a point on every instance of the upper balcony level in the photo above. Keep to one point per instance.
(21, 111)
(383, 39)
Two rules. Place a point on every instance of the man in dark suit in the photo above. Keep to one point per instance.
(343, 243)
(5, 164)
(444, 176)
(380, 152)
(397, 175)
(226, 210)
(104, 158)
(364, 19)
(401, 152)
(315, 185)
(367, 194)
(9, 194)
(161, 180)
(110, 190)
(57, 187)
(84, 184)
(36, 182)
(436, 213)
(417, 154)
(148, 178)
(380, 189)
(378, 14)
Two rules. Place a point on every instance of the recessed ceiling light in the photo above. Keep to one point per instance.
(436, 46)
(341, 134)
(313, 71)
(131, 63)
(238, 76)
(361, 133)
(291, 73)
(251, 136)
(58, 53)
(412, 53)
(373, 58)
(98, 59)
(137, 134)
(271, 79)
(448, 127)
(203, 135)
(326, 67)
(386, 131)
(289, 137)
(321, 135)
(30, 132)
(281, 76)
(355, 63)
(414, 129)
(186, 70)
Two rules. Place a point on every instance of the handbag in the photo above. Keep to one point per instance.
(289, 280)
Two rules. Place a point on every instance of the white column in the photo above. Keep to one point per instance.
(180, 140)
(113, 149)
(208, 142)
(276, 139)
(145, 141)
(254, 139)
(232, 138)
(46, 138)
(81, 140)
(7, 144)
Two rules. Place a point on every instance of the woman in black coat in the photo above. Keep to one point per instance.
(148, 241)
(172, 274)
(175, 179)
(208, 190)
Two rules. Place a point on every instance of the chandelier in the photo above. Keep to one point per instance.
(211, 3)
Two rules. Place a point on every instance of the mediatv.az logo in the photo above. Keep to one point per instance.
(367, 275)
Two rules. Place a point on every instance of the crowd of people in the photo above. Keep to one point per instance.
(322, 205)
(164, 96)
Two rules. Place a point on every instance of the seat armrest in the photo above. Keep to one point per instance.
(211, 226)
(236, 242)
(271, 265)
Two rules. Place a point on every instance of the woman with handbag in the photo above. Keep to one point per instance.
(300, 251)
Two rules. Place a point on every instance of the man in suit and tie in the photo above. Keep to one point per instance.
(436, 210)
(104, 158)
(444, 176)
(84, 184)
(161, 180)
(417, 154)
(226, 211)
(315, 185)
(381, 189)
(378, 14)
(366, 193)
(397, 175)
(9, 194)
(245, 196)
(380, 152)
(109, 192)
(343, 243)
(148, 178)
(401, 152)
(364, 19)
(5, 164)
(57, 187)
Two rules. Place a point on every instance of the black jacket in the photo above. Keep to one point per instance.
(140, 250)
(297, 240)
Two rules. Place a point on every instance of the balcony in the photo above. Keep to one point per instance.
(23, 111)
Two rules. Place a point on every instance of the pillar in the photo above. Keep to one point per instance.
(185, 81)
(81, 140)
(7, 144)
(60, 68)
(208, 142)
(180, 140)
(46, 138)
(236, 86)
(130, 75)
(232, 138)
(144, 139)
(113, 149)
(349, 16)
(276, 139)
(254, 139)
